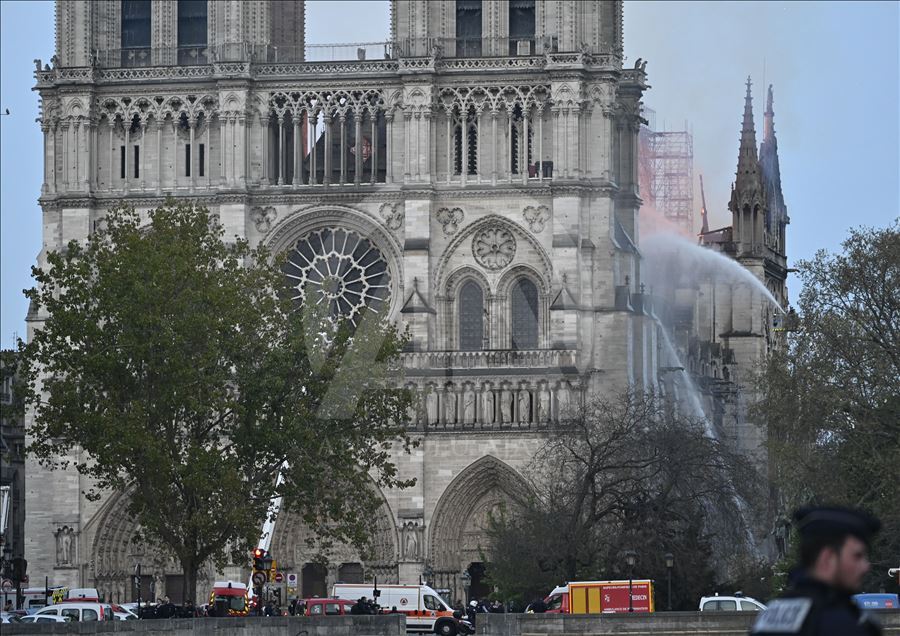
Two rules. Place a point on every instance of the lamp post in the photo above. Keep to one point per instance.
(630, 559)
(466, 581)
(670, 563)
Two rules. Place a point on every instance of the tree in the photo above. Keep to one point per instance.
(177, 367)
(832, 393)
(625, 472)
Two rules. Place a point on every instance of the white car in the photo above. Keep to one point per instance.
(6, 617)
(734, 603)
(34, 618)
(79, 612)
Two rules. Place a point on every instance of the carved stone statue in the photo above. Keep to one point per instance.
(65, 546)
(469, 406)
(411, 542)
(506, 403)
(524, 406)
(431, 406)
(543, 404)
(450, 406)
(563, 399)
(487, 406)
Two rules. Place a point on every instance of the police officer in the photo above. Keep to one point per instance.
(834, 544)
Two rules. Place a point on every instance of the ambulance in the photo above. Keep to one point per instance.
(601, 597)
(424, 608)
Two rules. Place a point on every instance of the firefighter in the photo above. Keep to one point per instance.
(834, 545)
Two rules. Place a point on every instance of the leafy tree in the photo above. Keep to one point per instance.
(833, 393)
(624, 473)
(172, 365)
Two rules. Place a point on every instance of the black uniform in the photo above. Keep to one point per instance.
(812, 608)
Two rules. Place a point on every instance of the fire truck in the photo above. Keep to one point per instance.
(601, 597)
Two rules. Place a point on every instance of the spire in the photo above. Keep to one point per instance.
(747, 177)
(776, 215)
(769, 125)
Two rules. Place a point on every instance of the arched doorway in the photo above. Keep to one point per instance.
(313, 580)
(458, 538)
(479, 588)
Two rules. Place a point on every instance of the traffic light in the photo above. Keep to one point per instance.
(20, 569)
(261, 559)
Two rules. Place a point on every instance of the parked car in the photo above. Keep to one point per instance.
(327, 606)
(79, 611)
(44, 618)
(6, 617)
(736, 603)
(877, 601)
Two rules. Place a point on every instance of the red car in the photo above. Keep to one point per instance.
(327, 607)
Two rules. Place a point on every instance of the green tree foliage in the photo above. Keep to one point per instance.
(624, 473)
(833, 393)
(173, 366)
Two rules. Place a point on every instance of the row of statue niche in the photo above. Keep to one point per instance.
(506, 405)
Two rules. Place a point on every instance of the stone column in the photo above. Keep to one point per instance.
(191, 167)
(159, 152)
(373, 167)
(342, 119)
(206, 154)
(127, 183)
(281, 179)
(65, 153)
(357, 175)
(526, 115)
(264, 147)
(296, 151)
(494, 114)
(46, 129)
(388, 154)
(223, 168)
(329, 142)
(429, 129)
(142, 165)
(111, 121)
(174, 153)
(540, 143)
(240, 124)
(464, 163)
(449, 144)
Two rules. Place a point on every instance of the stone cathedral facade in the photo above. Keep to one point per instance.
(477, 182)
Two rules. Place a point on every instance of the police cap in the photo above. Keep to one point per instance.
(813, 521)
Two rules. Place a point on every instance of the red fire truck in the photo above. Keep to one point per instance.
(601, 597)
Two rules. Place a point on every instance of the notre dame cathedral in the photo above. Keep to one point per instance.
(476, 180)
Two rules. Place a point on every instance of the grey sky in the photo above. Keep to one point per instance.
(834, 66)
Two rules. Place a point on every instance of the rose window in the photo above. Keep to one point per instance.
(341, 268)
(494, 247)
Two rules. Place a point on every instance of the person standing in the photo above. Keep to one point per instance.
(834, 544)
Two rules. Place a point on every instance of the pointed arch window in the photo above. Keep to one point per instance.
(471, 317)
(524, 314)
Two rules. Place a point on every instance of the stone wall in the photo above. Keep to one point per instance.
(658, 624)
(280, 626)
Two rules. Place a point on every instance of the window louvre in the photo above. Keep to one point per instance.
(524, 310)
(471, 317)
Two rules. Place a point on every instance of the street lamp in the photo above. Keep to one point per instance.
(466, 581)
(670, 563)
(630, 560)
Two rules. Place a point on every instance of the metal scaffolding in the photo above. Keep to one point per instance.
(666, 173)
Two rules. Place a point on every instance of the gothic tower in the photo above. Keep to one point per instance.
(485, 158)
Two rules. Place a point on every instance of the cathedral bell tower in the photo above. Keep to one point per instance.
(748, 202)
